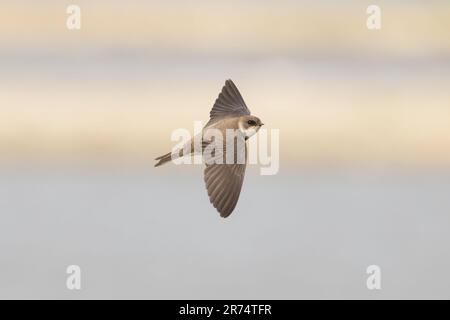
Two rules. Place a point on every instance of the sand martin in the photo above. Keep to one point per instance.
(223, 178)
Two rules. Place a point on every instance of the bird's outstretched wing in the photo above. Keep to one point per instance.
(224, 181)
(229, 103)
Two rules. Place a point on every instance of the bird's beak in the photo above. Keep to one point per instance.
(261, 124)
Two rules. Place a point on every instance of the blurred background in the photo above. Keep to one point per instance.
(364, 148)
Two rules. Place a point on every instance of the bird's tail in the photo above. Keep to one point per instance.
(187, 149)
(163, 159)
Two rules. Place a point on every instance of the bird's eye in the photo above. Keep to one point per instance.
(251, 122)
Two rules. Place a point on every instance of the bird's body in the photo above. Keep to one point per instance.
(223, 145)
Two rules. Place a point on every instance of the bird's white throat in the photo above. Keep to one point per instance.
(249, 131)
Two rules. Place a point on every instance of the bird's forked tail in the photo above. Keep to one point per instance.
(175, 154)
(163, 159)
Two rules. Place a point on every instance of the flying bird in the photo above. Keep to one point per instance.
(223, 178)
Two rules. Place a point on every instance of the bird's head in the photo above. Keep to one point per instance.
(249, 125)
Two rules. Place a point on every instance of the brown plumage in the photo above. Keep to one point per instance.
(223, 179)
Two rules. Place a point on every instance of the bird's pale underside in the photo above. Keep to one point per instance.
(224, 179)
